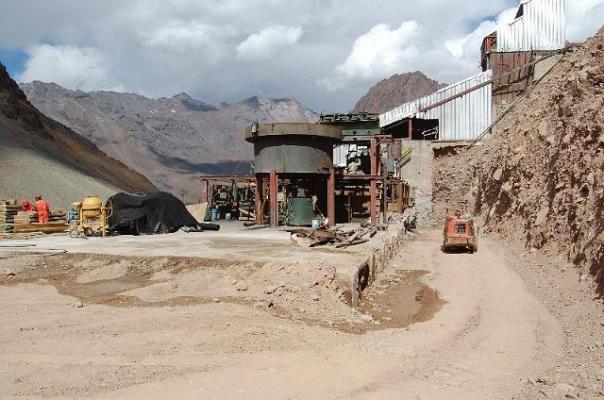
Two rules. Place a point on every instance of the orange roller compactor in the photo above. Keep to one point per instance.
(460, 233)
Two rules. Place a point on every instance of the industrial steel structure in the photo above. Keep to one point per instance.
(463, 110)
(512, 58)
(296, 180)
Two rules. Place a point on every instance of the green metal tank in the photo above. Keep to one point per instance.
(300, 211)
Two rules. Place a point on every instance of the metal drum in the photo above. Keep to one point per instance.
(300, 211)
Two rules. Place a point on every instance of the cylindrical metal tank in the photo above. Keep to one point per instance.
(293, 148)
(300, 211)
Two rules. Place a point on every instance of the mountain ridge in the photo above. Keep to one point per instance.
(172, 140)
(396, 90)
(39, 154)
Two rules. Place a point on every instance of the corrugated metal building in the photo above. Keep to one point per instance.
(539, 25)
(462, 118)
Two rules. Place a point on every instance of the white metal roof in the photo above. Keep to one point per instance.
(461, 118)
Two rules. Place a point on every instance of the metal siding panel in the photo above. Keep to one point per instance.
(542, 27)
(463, 118)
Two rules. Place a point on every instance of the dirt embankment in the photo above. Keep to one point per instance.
(540, 177)
(24, 128)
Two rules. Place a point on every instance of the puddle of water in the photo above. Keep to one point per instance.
(398, 301)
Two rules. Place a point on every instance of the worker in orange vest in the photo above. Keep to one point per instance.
(26, 206)
(43, 209)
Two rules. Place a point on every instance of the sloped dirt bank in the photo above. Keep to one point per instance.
(539, 178)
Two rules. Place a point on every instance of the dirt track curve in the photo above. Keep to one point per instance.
(489, 337)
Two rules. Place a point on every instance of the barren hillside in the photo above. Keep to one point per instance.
(540, 177)
(39, 155)
(170, 140)
(396, 90)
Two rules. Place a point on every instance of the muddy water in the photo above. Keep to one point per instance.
(399, 300)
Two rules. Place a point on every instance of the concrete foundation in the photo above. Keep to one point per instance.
(418, 172)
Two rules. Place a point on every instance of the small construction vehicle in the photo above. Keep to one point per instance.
(460, 233)
(89, 217)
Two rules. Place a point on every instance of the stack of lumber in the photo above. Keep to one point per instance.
(27, 222)
(7, 216)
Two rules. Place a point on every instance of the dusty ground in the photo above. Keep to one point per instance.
(73, 328)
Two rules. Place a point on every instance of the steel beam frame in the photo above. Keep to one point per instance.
(374, 160)
(273, 201)
(331, 198)
(259, 199)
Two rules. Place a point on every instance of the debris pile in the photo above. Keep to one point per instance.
(337, 237)
(540, 177)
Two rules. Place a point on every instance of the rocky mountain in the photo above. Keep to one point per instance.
(170, 140)
(396, 90)
(40, 155)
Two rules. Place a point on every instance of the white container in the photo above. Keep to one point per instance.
(316, 224)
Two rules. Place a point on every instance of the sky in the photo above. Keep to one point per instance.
(325, 53)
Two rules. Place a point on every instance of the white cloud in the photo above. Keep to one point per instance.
(178, 36)
(207, 48)
(467, 47)
(584, 18)
(73, 67)
(265, 43)
(181, 36)
(376, 54)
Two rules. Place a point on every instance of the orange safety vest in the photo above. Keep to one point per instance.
(43, 210)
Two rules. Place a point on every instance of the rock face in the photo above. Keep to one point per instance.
(396, 90)
(39, 155)
(540, 177)
(170, 140)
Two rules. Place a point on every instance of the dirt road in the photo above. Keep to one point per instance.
(489, 337)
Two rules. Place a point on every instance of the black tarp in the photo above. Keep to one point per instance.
(148, 213)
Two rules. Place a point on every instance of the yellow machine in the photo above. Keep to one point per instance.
(92, 217)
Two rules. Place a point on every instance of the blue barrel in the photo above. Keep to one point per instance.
(213, 214)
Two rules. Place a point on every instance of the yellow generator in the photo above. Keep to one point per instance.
(90, 217)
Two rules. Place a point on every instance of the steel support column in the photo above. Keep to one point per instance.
(259, 199)
(274, 203)
(373, 185)
(384, 199)
(205, 190)
(331, 197)
(410, 128)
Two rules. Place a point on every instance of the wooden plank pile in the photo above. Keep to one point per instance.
(7, 216)
(27, 222)
(336, 237)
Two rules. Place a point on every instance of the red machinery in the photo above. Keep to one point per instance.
(460, 233)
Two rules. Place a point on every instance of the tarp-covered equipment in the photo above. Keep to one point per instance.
(149, 213)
